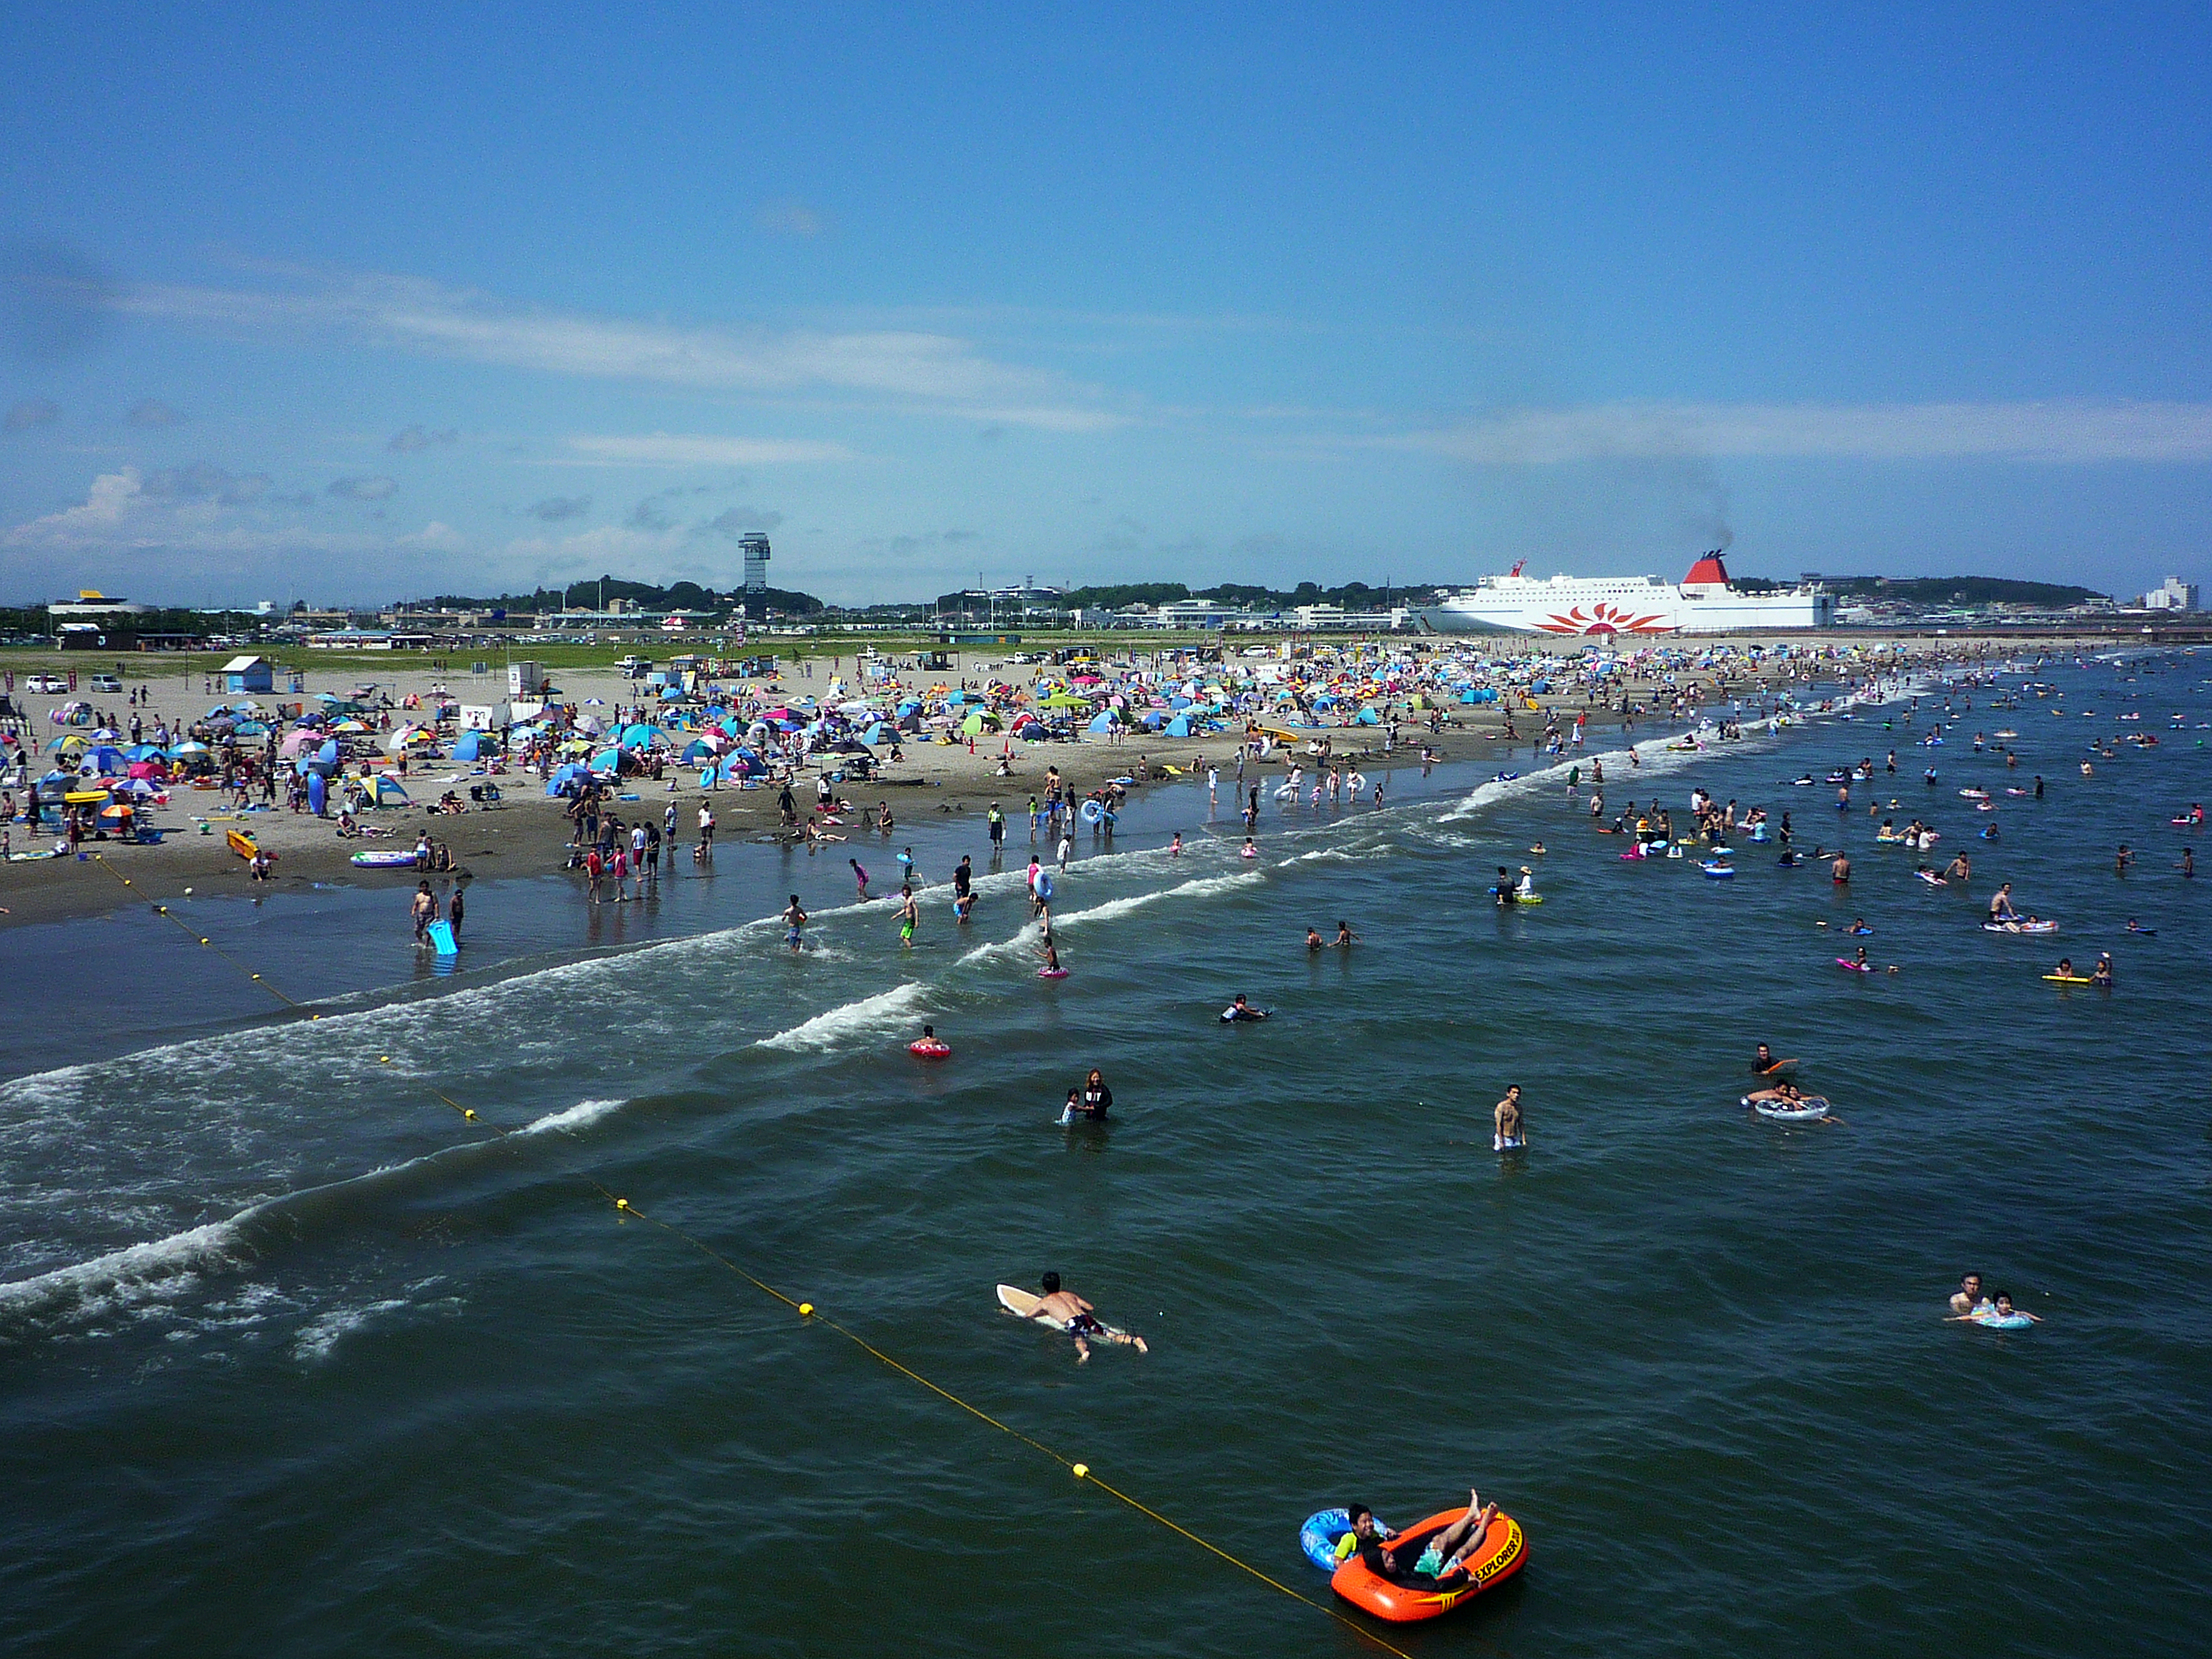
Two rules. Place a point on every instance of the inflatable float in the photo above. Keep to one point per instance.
(2020, 926)
(2068, 979)
(1052, 973)
(390, 858)
(929, 1049)
(1325, 1529)
(1997, 1321)
(1807, 1108)
(1716, 871)
(1849, 966)
(245, 846)
(1503, 1552)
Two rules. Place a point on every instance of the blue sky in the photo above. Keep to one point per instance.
(353, 303)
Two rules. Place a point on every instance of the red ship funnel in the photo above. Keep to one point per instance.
(1707, 569)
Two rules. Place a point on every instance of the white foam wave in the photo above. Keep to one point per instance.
(1198, 888)
(850, 1020)
(575, 1117)
(158, 1271)
(318, 1336)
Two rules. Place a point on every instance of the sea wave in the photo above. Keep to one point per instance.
(847, 1021)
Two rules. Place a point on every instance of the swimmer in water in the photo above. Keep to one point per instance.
(1840, 873)
(2102, 973)
(1052, 957)
(1175, 846)
(1511, 1131)
(859, 878)
(1859, 927)
(2002, 1308)
(2065, 968)
(909, 916)
(1248, 851)
(2122, 859)
(1765, 1065)
(1240, 1011)
(1313, 938)
(2188, 865)
(794, 919)
(1345, 936)
(1863, 964)
(1968, 1297)
(1538, 849)
(1078, 1321)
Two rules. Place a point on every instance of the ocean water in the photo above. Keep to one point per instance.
(294, 1358)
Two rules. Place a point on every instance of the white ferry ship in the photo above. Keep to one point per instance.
(1703, 602)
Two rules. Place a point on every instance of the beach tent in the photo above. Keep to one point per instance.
(567, 780)
(1179, 726)
(1367, 717)
(472, 746)
(1102, 723)
(385, 790)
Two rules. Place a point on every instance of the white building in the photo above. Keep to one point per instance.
(2171, 594)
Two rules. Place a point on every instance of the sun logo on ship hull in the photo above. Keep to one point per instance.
(1602, 618)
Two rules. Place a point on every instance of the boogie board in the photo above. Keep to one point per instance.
(2068, 979)
(441, 936)
(392, 859)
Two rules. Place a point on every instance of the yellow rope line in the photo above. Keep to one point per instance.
(805, 1309)
(163, 910)
(1081, 1471)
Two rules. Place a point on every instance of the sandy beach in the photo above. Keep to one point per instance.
(527, 833)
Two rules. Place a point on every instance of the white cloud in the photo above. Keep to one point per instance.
(917, 368)
(435, 538)
(676, 449)
(2061, 432)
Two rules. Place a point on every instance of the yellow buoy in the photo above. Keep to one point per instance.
(806, 1308)
(1082, 1469)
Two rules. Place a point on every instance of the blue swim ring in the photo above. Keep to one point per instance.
(1995, 1321)
(1090, 812)
(1324, 1530)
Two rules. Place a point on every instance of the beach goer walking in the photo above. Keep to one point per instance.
(705, 829)
(1511, 1130)
(454, 911)
(909, 916)
(859, 878)
(795, 924)
(425, 911)
(593, 870)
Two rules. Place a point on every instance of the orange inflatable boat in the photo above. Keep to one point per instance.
(1503, 1552)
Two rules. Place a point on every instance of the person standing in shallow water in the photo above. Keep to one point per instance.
(1511, 1130)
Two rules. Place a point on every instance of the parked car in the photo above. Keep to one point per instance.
(51, 684)
(108, 685)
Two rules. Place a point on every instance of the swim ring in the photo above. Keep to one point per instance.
(1503, 1552)
(1855, 967)
(1052, 973)
(1809, 1109)
(1090, 812)
(1997, 1321)
(1324, 1529)
(929, 1049)
(1715, 872)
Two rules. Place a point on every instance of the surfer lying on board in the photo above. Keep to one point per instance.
(1082, 1322)
(1765, 1064)
(1442, 1556)
(1240, 1011)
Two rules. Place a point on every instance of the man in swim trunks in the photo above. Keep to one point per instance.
(964, 873)
(2001, 905)
(1506, 1116)
(1443, 1555)
(1082, 1322)
(1840, 872)
(794, 920)
(909, 916)
(1968, 1297)
(1313, 938)
(1345, 936)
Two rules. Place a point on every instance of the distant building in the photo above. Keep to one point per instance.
(755, 548)
(91, 605)
(2171, 594)
(244, 675)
